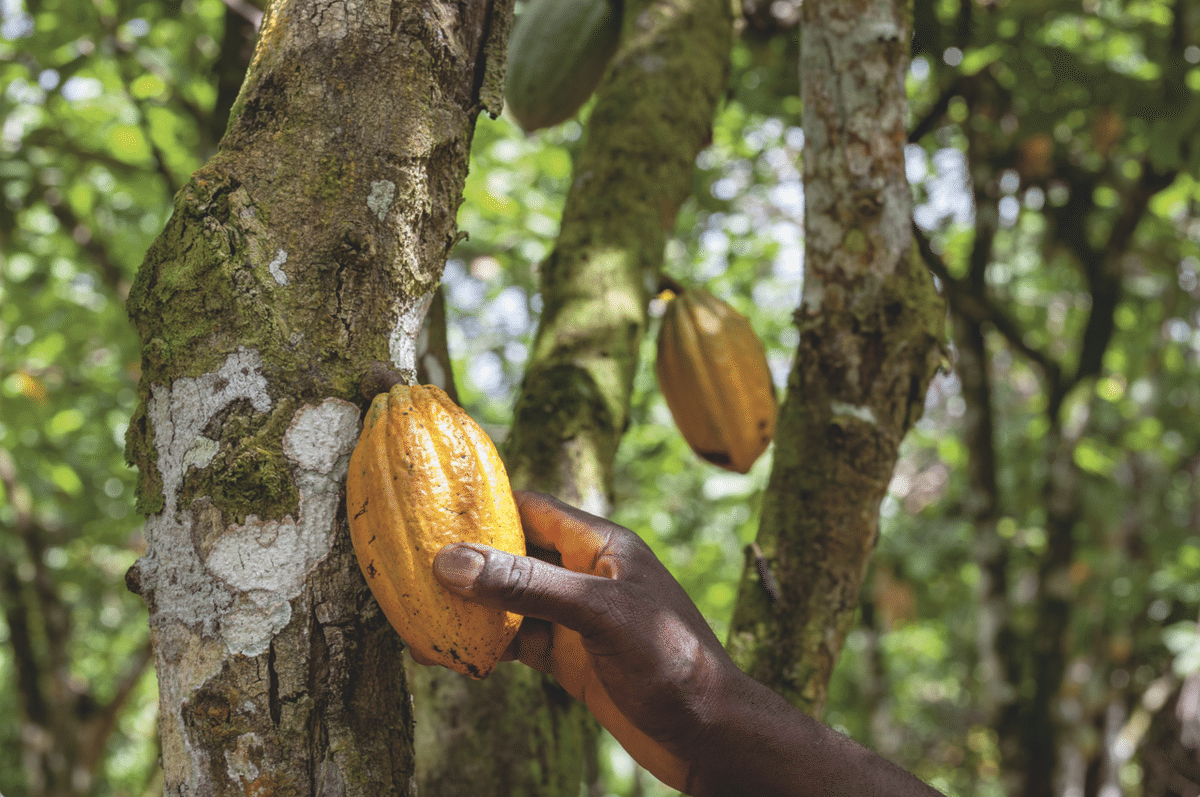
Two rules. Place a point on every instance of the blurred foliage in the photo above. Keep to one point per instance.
(107, 109)
(109, 106)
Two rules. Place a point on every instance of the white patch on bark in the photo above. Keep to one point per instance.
(266, 561)
(402, 345)
(239, 762)
(217, 592)
(414, 205)
(864, 414)
(382, 194)
(180, 413)
(201, 453)
(275, 267)
(187, 601)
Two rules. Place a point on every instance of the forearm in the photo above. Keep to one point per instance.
(761, 745)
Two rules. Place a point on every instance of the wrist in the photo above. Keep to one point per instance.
(744, 727)
(757, 744)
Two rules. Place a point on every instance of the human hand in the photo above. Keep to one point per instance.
(612, 625)
(619, 633)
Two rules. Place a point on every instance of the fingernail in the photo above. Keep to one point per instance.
(459, 566)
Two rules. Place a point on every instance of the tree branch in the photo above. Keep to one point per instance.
(246, 11)
(98, 723)
(978, 308)
(1104, 272)
(935, 112)
(16, 608)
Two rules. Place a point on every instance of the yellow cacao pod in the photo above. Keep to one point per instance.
(712, 370)
(424, 475)
(557, 53)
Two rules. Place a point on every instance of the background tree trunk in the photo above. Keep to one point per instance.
(307, 247)
(870, 323)
(520, 733)
(1023, 672)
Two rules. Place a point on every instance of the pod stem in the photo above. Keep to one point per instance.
(380, 377)
(668, 283)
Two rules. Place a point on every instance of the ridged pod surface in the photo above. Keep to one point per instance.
(557, 54)
(712, 370)
(424, 475)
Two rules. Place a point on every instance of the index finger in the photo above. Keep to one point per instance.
(579, 536)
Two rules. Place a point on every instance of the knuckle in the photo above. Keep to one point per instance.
(516, 580)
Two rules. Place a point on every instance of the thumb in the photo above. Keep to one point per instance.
(524, 585)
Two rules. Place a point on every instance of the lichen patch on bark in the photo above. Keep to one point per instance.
(266, 562)
(235, 581)
(276, 267)
(382, 194)
(179, 414)
(232, 584)
(862, 412)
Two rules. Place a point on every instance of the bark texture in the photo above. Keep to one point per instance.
(652, 116)
(870, 326)
(309, 245)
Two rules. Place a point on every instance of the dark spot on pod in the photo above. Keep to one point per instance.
(716, 457)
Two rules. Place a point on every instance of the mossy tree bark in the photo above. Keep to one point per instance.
(309, 245)
(653, 114)
(870, 327)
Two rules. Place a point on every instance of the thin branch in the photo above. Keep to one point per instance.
(979, 308)
(964, 22)
(55, 616)
(102, 719)
(935, 112)
(1103, 270)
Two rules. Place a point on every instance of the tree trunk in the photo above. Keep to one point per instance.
(870, 323)
(652, 116)
(307, 247)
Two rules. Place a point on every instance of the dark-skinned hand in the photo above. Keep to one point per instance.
(619, 633)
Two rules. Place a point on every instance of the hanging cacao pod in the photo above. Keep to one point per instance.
(424, 475)
(557, 53)
(712, 370)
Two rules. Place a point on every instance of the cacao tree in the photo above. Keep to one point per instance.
(302, 250)
(870, 340)
(1029, 616)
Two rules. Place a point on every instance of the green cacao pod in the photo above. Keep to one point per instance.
(424, 475)
(712, 370)
(557, 53)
